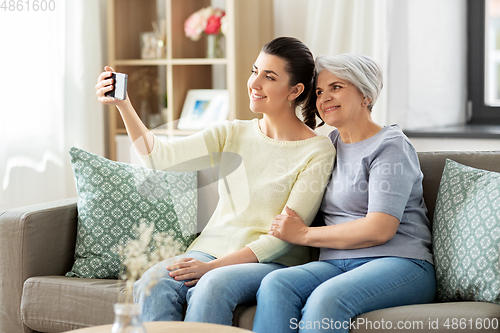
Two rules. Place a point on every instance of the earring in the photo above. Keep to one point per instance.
(290, 103)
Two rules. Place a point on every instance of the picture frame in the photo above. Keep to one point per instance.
(203, 108)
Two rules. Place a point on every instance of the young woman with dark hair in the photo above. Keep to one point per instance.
(285, 167)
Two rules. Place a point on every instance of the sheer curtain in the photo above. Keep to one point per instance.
(49, 70)
(354, 26)
(330, 27)
(420, 45)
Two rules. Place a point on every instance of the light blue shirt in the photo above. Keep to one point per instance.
(379, 174)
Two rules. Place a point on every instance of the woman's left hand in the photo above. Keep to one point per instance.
(188, 269)
(289, 227)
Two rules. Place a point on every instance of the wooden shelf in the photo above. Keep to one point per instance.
(200, 61)
(184, 65)
(156, 62)
(141, 62)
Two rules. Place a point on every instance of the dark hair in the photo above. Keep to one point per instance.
(299, 63)
(309, 110)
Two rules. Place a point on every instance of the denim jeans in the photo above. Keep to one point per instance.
(211, 300)
(323, 296)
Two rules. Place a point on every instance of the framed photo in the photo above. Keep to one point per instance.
(203, 108)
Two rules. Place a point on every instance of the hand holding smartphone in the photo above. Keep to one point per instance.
(119, 86)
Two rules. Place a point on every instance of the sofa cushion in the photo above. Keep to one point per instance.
(113, 197)
(466, 234)
(59, 304)
(432, 165)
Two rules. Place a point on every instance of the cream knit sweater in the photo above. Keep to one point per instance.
(258, 177)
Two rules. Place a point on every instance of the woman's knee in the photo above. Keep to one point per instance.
(277, 281)
(212, 284)
(152, 278)
(329, 298)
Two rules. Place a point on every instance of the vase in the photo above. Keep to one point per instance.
(214, 46)
(127, 319)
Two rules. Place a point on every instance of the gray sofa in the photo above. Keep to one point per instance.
(37, 246)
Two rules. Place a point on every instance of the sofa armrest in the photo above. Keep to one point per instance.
(34, 241)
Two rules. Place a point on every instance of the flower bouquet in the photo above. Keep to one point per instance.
(137, 256)
(211, 21)
(140, 254)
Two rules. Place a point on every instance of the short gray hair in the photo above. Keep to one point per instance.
(359, 70)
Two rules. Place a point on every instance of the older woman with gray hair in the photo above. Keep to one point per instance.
(375, 240)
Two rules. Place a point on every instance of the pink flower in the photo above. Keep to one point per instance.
(213, 25)
(197, 22)
(206, 20)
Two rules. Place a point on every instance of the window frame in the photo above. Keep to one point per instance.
(477, 111)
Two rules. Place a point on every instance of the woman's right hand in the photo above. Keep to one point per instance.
(289, 227)
(135, 128)
(105, 84)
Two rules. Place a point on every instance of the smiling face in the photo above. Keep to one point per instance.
(339, 102)
(269, 84)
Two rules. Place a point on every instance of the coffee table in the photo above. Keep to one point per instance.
(170, 326)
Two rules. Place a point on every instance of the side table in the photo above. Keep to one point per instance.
(170, 326)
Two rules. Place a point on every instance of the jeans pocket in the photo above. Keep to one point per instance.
(426, 266)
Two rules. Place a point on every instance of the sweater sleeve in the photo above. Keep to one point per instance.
(305, 199)
(195, 152)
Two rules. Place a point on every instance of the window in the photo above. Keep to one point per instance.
(484, 61)
(492, 53)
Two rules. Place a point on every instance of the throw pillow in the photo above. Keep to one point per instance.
(113, 197)
(466, 234)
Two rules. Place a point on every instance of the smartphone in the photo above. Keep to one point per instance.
(119, 86)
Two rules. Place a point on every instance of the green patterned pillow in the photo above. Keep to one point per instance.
(466, 232)
(113, 197)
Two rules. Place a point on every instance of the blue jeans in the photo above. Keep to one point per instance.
(211, 300)
(323, 296)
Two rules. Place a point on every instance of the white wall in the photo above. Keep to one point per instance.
(436, 65)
